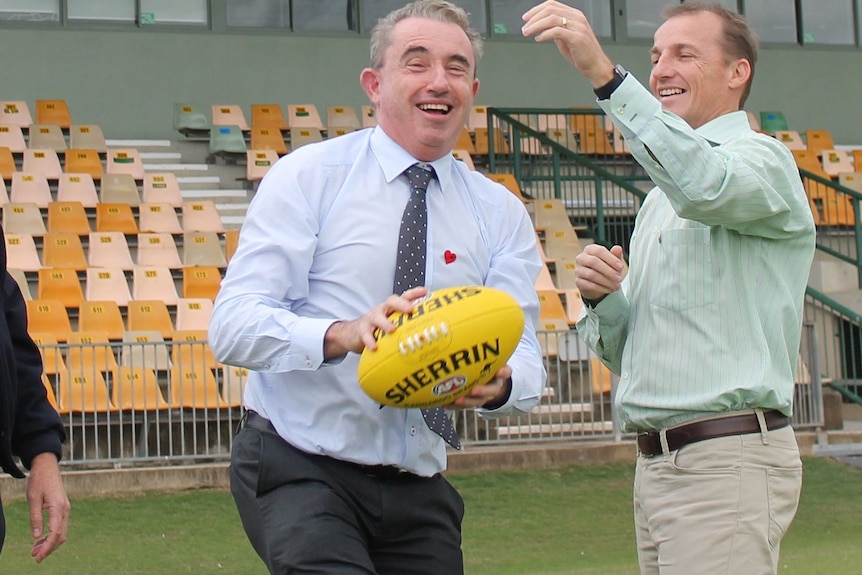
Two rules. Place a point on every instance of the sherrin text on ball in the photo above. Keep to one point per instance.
(454, 339)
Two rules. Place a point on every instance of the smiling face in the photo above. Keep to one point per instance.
(691, 74)
(425, 87)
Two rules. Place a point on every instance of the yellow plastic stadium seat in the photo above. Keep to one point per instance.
(52, 358)
(551, 306)
(137, 389)
(201, 282)
(233, 384)
(102, 315)
(818, 140)
(267, 138)
(53, 112)
(49, 316)
(91, 351)
(84, 161)
(195, 389)
(84, 392)
(150, 315)
(113, 217)
(63, 250)
(190, 349)
(7, 163)
(60, 284)
(231, 239)
(510, 182)
(268, 116)
(68, 217)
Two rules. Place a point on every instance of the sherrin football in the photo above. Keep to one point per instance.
(454, 339)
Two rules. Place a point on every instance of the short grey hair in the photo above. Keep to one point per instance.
(440, 10)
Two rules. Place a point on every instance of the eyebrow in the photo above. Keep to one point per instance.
(416, 50)
(677, 47)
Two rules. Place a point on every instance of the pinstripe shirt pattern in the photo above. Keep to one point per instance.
(709, 317)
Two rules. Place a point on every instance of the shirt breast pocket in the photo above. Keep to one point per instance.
(684, 274)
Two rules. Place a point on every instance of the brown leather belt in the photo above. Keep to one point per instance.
(649, 442)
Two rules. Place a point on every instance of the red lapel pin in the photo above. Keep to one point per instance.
(449, 256)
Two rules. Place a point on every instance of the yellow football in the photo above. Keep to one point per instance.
(454, 339)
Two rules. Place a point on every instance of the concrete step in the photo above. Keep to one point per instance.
(535, 430)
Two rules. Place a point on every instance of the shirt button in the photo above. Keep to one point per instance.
(621, 110)
(625, 375)
(412, 430)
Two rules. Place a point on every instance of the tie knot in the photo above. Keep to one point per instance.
(419, 176)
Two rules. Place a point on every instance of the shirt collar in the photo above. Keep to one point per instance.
(394, 159)
(726, 127)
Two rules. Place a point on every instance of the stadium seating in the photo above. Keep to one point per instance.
(23, 218)
(303, 116)
(63, 250)
(103, 314)
(790, 138)
(201, 216)
(77, 187)
(109, 250)
(15, 113)
(69, 217)
(158, 249)
(201, 282)
(84, 161)
(302, 136)
(115, 217)
(227, 142)
(21, 254)
(83, 392)
(145, 349)
(771, 121)
(191, 121)
(196, 389)
(229, 115)
(150, 315)
(88, 136)
(125, 161)
(49, 316)
(53, 112)
(61, 285)
(137, 389)
(153, 283)
(90, 352)
(258, 163)
(818, 140)
(7, 163)
(158, 218)
(203, 249)
(30, 187)
(162, 187)
(267, 138)
(47, 137)
(42, 161)
(107, 284)
(52, 357)
(369, 116)
(12, 137)
(268, 116)
(341, 117)
(193, 314)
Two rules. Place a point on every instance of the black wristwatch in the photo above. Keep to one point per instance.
(604, 92)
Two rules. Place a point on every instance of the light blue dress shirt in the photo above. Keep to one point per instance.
(709, 317)
(318, 245)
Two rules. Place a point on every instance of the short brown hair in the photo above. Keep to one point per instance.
(740, 41)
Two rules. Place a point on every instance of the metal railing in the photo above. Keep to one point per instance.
(129, 403)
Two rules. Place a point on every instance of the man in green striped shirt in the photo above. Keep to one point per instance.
(704, 329)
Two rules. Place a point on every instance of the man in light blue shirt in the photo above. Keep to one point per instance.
(704, 329)
(323, 477)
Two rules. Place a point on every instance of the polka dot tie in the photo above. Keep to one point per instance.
(410, 272)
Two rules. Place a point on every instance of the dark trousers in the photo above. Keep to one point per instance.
(307, 513)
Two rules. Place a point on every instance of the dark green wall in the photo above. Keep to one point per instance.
(128, 81)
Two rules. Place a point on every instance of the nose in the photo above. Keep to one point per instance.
(661, 68)
(438, 80)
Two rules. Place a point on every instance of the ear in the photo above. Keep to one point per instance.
(370, 82)
(475, 87)
(739, 74)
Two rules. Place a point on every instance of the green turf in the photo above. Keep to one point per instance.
(575, 520)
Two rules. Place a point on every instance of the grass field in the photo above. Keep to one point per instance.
(575, 520)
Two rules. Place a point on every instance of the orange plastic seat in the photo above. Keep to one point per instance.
(195, 389)
(137, 389)
(7, 163)
(49, 316)
(52, 358)
(233, 381)
(267, 138)
(268, 116)
(63, 250)
(60, 284)
(91, 351)
(150, 315)
(84, 392)
(84, 161)
(68, 217)
(116, 218)
(201, 282)
(102, 315)
(53, 112)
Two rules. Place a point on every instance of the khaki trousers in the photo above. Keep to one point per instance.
(719, 506)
